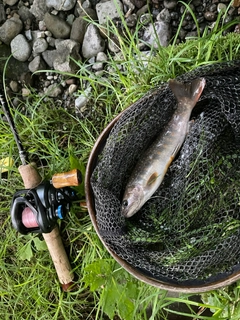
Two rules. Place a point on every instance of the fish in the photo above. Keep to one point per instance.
(150, 170)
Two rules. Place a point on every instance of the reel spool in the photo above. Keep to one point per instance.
(38, 209)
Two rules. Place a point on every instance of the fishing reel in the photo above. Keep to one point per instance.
(38, 209)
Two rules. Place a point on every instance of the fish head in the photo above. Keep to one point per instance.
(132, 200)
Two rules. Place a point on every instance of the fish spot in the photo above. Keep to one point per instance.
(152, 178)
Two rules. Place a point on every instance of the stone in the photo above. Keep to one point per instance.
(58, 27)
(157, 33)
(10, 29)
(170, 4)
(11, 2)
(62, 5)
(92, 42)
(40, 45)
(209, 16)
(65, 50)
(54, 90)
(80, 24)
(37, 64)
(14, 86)
(49, 56)
(221, 7)
(38, 9)
(101, 57)
(131, 20)
(25, 14)
(2, 13)
(20, 48)
(107, 9)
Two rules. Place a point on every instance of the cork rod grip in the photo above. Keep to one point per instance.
(66, 179)
(32, 179)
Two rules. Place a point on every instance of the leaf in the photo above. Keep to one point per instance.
(40, 244)
(5, 164)
(109, 304)
(97, 274)
(25, 252)
(75, 163)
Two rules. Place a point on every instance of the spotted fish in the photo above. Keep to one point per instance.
(153, 165)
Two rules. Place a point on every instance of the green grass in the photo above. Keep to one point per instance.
(57, 140)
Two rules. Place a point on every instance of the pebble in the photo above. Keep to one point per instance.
(101, 57)
(40, 45)
(221, 7)
(80, 24)
(64, 5)
(38, 9)
(170, 4)
(53, 90)
(14, 86)
(65, 50)
(20, 48)
(106, 9)
(131, 20)
(10, 29)
(37, 64)
(158, 33)
(210, 16)
(93, 43)
(72, 88)
(57, 26)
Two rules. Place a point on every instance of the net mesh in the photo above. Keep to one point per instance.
(189, 231)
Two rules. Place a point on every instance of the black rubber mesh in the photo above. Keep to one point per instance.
(189, 231)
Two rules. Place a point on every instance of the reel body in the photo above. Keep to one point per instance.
(38, 209)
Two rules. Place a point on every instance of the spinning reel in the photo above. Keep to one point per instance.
(38, 209)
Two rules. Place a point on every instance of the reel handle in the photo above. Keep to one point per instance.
(67, 179)
(32, 179)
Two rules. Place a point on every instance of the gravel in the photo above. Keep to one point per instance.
(48, 34)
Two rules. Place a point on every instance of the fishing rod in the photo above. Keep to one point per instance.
(38, 207)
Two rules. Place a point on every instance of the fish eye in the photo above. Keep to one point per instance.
(125, 203)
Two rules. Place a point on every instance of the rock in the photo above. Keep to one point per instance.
(26, 92)
(92, 42)
(164, 16)
(170, 4)
(221, 7)
(10, 29)
(49, 56)
(37, 64)
(159, 32)
(25, 14)
(101, 57)
(58, 27)
(20, 48)
(209, 16)
(38, 9)
(2, 13)
(131, 20)
(11, 2)
(65, 50)
(62, 5)
(54, 90)
(106, 9)
(14, 86)
(72, 88)
(80, 24)
(40, 45)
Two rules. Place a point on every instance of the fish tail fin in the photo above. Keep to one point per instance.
(187, 93)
